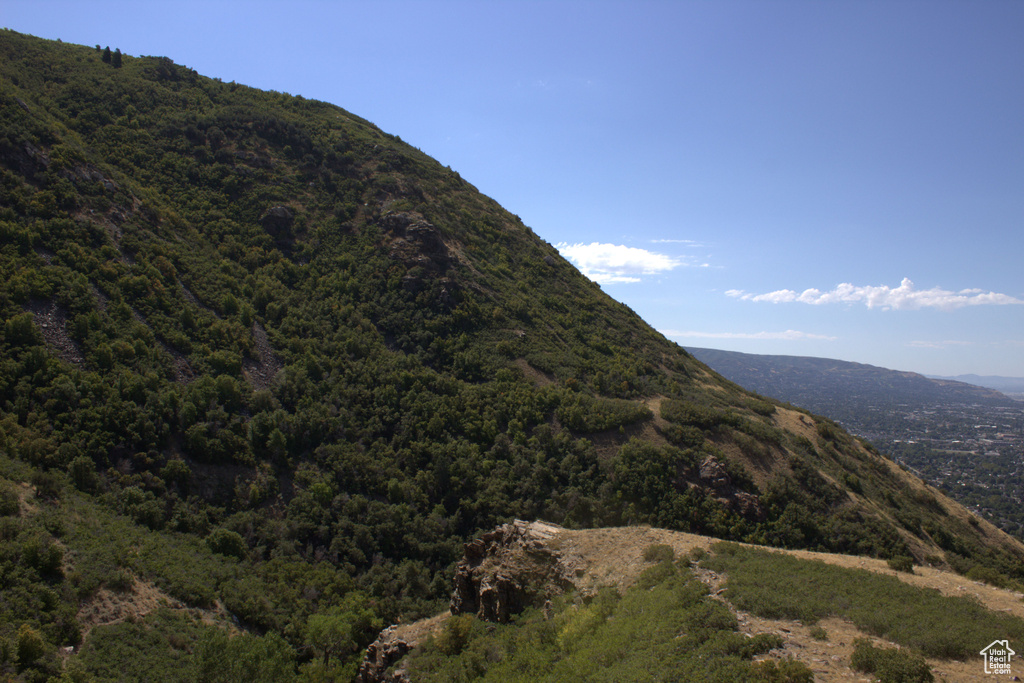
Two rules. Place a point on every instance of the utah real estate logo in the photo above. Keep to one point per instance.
(997, 657)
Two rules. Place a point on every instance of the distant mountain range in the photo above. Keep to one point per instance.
(1008, 385)
(841, 389)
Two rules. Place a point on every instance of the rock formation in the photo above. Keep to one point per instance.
(501, 573)
(506, 570)
(380, 656)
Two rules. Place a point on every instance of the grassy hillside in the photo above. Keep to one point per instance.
(295, 363)
(645, 604)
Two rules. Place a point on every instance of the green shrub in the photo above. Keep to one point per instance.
(49, 485)
(697, 553)
(986, 575)
(784, 671)
(818, 633)
(82, 471)
(9, 504)
(31, 645)
(901, 563)
(890, 665)
(664, 628)
(456, 633)
(659, 552)
(227, 542)
(778, 586)
(121, 581)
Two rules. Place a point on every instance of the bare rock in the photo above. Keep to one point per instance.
(52, 320)
(380, 656)
(713, 472)
(261, 371)
(506, 570)
(416, 242)
(748, 505)
(277, 221)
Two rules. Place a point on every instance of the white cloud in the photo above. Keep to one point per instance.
(616, 263)
(788, 335)
(904, 297)
(690, 243)
(923, 344)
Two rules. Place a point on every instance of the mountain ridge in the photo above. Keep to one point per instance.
(899, 386)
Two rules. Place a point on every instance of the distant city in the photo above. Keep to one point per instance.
(973, 452)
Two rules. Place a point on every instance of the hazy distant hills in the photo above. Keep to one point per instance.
(1007, 385)
(841, 389)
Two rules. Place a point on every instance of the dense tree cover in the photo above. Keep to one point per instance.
(295, 364)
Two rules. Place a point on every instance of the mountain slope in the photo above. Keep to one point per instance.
(297, 363)
(965, 439)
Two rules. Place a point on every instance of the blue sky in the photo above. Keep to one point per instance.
(839, 179)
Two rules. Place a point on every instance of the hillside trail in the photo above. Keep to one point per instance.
(614, 557)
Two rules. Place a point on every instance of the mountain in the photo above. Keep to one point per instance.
(1007, 385)
(266, 368)
(839, 388)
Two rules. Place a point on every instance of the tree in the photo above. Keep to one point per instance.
(338, 631)
(115, 60)
(106, 55)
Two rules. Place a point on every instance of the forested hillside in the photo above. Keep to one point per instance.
(272, 367)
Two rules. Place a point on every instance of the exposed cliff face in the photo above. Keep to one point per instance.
(501, 573)
(508, 569)
(380, 656)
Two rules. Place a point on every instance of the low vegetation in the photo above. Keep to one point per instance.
(889, 665)
(779, 586)
(665, 628)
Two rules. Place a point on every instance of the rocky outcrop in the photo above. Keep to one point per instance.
(508, 569)
(416, 242)
(52, 320)
(277, 221)
(713, 472)
(261, 371)
(380, 656)
(502, 572)
(715, 478)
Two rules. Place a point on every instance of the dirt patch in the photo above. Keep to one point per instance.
(796, 422)
(417, 632)
(110, 607)
(26, 499)
(614, 556)
(107, 607)
(531, 373)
